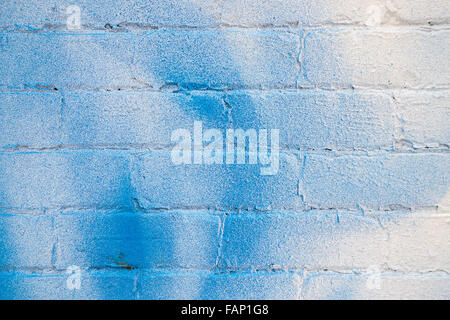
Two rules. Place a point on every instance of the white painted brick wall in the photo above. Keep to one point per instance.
(360, 91)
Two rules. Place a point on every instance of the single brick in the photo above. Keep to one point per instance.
(45, 285)
(201, 285)
(354, 59)
(131, 241)
(161, 184)
(345, 12)
(375, 180)
(42, 180)
(317, 119)
(129, 118)
(37, 14)
(423, 119)
(30, 119)
(26, 242)
(364, 286)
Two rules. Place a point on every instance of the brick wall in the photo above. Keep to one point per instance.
(358, 89)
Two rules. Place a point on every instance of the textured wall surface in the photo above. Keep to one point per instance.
(91, 205)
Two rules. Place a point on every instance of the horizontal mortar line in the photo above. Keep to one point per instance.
(369, 212)
(222, 271)
(168, 148)
(141, 28)
(285, 26)
(358, 270)
(139, 149)
(375, 88)
(5, 89)
(407, 28)
(406, 144)
(131, 150)
(50, 89)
